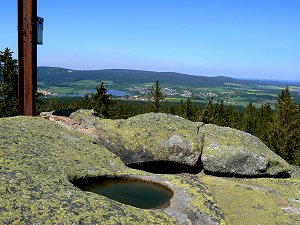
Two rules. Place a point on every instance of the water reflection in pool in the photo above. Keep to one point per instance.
(131, 192)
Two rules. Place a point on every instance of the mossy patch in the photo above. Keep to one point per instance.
(255, 201)
(203, 198)
(38, 158)
(230, 151)
(162, 137)
(148, 137)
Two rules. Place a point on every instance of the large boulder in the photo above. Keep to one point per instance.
(165, 137)
(230, 151)
(41, 159)
(149, 137)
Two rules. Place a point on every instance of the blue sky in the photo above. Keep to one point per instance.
(236, 38)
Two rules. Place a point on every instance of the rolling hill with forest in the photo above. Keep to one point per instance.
(125, 76)
(176, 86)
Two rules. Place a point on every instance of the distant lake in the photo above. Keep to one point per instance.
(116, 93)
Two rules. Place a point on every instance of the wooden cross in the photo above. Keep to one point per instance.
(27, 55)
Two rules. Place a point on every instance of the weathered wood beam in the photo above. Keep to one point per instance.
(27, 55)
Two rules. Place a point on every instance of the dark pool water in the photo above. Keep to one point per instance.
(131, 192)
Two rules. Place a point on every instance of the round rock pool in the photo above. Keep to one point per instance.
(137, 193)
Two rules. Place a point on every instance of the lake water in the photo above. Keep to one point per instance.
(116, 93)
(131, 192)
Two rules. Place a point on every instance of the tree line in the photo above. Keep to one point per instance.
(278, 128)
(8, 84)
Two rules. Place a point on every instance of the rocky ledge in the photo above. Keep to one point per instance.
(40, 158)
(162, 137)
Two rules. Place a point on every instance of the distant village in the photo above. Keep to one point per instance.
(141, 94)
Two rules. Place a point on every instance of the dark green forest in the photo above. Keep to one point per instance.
(60, 76)
(278, 128)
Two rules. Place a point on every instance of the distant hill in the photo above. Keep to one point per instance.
(55, 75)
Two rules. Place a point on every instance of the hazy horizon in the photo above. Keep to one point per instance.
(203, 75)
(238, 39)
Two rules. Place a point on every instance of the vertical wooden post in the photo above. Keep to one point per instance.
(27, 55)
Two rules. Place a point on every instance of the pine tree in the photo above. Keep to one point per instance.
(181, 109)
(156, 97)
(118, 111)
(264, 120)
(172, 110)
(1, 83)
(232, 118)
(284, 135)
(207, 115)
(86, 102)
(39, 103)
(219, 117)
(189, 111)
(250, 120)
(101, 100)
(9, 83)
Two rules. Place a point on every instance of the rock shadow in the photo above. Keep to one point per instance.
(63, 112)
(279, 175)
(166, 167)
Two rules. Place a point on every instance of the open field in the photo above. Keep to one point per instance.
(176, 87)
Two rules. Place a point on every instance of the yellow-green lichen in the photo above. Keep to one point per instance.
(254, 201)
(231, 151)
(150, 137)
(203, 200)
(38, 158)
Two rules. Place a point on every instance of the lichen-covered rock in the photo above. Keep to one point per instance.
(150, 137)
(230, 151)
(38, 158)
(163, 137)
(251, 201)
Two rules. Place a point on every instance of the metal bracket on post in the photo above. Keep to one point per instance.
(27, 55)
(40, 28)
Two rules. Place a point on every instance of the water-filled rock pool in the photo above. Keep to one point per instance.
(137, 193)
